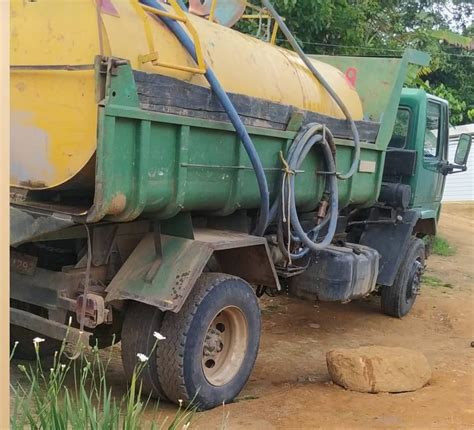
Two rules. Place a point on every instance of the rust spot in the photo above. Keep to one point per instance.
(180, 283)
(117, 205)
(20, 86)
(33, 184)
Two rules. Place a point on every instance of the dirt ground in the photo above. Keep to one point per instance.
(290, 386)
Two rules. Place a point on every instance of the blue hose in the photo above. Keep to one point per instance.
(182, 5)
(309, 136)
(224, 99)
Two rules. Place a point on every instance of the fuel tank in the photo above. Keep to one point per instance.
(54, 96)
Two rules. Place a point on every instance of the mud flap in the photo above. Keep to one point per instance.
(182, 262)
(391, 242)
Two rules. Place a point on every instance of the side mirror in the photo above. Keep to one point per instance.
(463, 149)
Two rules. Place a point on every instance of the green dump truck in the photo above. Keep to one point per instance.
(160, 233)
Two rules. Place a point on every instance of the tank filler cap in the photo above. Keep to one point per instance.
(226, 13)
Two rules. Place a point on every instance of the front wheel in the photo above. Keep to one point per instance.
(398, 299)
(211, 343)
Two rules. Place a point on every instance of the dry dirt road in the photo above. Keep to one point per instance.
(290, 386)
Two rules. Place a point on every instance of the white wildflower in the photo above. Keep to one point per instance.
(16, 344)
(180, 402)
(37, 340)
(63, 366)
(142, 357)
(159, 336)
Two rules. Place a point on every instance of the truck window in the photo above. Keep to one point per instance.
(432, 130)
(400, 130)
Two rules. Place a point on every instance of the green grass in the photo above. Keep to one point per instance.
(46, 402)
(434, 282)
(441, 246)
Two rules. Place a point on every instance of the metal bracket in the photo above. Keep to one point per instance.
(158, 252)
(296, 121)
(53, 329)
(262, 13)
(179, 16)
(96, 311)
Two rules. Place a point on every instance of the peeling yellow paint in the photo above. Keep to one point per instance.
(54, 113)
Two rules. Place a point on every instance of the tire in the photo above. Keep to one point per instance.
(211, 344)
(25, 350)
(140, 322)
(398, 299)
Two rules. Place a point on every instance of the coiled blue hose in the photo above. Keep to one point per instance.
(224, 99)
(309, 136)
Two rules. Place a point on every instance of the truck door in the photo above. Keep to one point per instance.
(432, 150)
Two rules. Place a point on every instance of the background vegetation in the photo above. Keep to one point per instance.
(385, 28)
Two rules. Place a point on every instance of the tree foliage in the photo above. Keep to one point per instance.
(443, 28)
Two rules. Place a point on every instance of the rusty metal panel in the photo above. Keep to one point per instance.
(251, 263)
(182, 262)
(27, 225)
(226, 239)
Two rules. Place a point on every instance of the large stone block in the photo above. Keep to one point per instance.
(373, 369)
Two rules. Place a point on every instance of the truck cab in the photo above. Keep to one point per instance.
(409, 203)
(417, 155)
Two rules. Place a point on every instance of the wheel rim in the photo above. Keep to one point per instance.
(414, 280)
(224, 346)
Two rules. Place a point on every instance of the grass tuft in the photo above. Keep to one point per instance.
(434, 282)
(441, 246)
(46, 402)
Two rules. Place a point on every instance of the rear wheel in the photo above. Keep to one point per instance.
(139, 325)
(210, 347)
(211, 344)
(398, 299)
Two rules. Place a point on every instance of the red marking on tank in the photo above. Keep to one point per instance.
(351, 76)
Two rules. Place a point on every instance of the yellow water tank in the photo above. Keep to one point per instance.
(54, 106)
